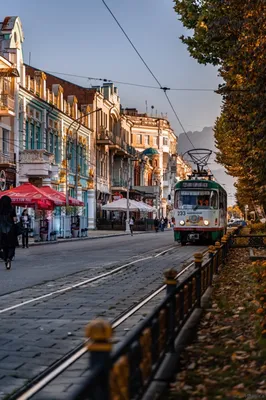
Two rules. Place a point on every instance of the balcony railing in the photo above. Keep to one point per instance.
(119, 183)
(7, 102)
(7, 158)
(105, 135)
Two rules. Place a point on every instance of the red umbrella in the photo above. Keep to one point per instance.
(30, 195)
(60, 195)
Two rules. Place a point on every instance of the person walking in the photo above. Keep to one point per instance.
(162, 223)
(8, 231)
(131, 224)
(156, 224)
(25, 222)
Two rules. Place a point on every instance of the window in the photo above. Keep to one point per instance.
(196, 199)
(139, 139)
(38, 138)
(146, 140)
(31, 143)
(56, 149)
(165, 141)
(155, 141)
(5, 146)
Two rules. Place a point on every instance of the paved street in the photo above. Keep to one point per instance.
(33, 335)
(48, 262)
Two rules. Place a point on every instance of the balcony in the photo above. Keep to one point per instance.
(7, 105)
(7, 160)
(37, 163)
(105, 137)
(119, 184)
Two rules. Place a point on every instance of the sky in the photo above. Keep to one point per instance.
(81, 38)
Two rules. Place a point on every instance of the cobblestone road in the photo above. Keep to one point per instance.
(35, 335)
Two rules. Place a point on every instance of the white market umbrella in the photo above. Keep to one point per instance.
(143, 206)
(120, 205)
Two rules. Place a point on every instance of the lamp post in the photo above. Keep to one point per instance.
(128, 188)
(76, 145)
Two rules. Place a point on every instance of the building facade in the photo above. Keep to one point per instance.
(160, 165)
(77, 140)
(11, 66)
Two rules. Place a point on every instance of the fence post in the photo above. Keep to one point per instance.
(198, 257)
(170, 281)
(218, 255)
(169, 275)
(100, 333)
(224, 249)
(211, 251)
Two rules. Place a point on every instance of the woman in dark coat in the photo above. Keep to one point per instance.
(8, 233)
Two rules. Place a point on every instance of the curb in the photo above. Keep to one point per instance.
(170, 364)
(84, 238)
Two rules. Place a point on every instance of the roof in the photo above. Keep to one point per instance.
(84, 95)
(150, 152)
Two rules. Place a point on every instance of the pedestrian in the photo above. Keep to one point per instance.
(25, 222)
(8, 231)
(162, 223)
(156, 224)
(166, 222)
(131, 224)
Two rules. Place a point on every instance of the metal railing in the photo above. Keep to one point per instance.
(7, 158)
(127, 372)
(119, 182)
(7, 102)
(250, 240)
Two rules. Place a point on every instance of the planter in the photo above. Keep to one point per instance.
(44, 236)
(75, 233)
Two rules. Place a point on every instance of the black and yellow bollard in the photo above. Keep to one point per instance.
(169, 280)
(100, 334)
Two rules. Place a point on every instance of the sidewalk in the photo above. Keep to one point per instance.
(97, 234)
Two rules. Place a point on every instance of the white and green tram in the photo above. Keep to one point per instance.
(200, 211)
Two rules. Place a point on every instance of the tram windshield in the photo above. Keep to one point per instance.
(196, 199)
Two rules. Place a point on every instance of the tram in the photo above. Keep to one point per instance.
(200, 211)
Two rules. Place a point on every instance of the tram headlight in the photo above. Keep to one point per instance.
(182, 223)
(206, 222)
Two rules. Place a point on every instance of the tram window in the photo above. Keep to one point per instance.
(197, 199)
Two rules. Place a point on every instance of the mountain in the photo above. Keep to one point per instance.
(205, 139)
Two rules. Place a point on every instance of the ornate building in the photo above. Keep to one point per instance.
(11, 66)
(160, 166)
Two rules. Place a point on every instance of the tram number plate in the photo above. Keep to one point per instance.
(181, 212)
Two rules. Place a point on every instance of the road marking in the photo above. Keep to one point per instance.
(165, 251)
(66, 289)
(67, 363)
(73, 286)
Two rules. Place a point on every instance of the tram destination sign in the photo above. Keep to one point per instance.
(195, 184)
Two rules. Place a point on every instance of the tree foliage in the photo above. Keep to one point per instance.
(232, 35)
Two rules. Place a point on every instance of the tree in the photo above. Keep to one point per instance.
(232, 35)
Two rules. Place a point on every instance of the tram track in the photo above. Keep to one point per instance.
(83, 282)
(56, 369)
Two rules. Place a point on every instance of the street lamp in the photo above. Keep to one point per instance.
(76, 145)
(128, 188)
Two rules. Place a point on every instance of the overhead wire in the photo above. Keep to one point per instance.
(149, 69)
(90, 78)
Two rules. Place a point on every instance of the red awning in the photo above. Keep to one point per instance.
(31, 196)
(61, 196)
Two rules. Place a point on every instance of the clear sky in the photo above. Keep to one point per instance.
(80, 37)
